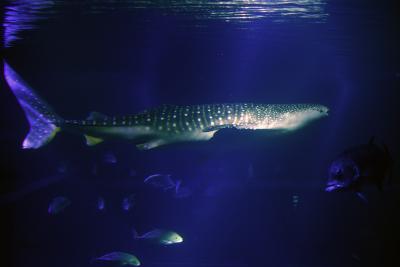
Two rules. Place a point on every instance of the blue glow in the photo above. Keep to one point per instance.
(22, 15)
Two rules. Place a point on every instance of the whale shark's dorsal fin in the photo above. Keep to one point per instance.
(91, 140)
(216, 128)
(94, 115)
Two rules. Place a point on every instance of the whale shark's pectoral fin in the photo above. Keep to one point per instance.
(94, 115)
(216, 128)
(151, 144)
(91, 141)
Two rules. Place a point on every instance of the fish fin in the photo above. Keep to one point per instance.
(216, 128)
(371, 140)
(91, 140)
(94, 115)
(362, 196)
(151, 144)
(44, 122)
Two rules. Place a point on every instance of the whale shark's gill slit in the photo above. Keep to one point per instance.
(42, 119)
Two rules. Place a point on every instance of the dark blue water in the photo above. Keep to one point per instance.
(252, 198)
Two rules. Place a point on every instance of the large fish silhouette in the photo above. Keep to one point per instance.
(157, 126)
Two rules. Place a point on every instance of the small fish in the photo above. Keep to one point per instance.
(101, 204)
(109, 158)
(163, 181)
(58, 204)
(128, 202)
(359, 166)
(121, 258)
(159, 236)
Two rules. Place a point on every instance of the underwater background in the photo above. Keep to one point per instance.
(246, 198)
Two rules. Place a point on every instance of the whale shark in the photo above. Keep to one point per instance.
(157, 126)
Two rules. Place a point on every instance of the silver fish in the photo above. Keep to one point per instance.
(160, 236)
(122, 258)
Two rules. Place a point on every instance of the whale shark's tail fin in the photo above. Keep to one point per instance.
(44, 122)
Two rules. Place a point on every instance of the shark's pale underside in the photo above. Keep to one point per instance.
(157, 126)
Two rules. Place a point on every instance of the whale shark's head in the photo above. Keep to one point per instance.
(289, 116)
(308, 112)
(301, 114)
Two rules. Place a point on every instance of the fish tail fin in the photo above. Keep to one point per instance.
(44, 122)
